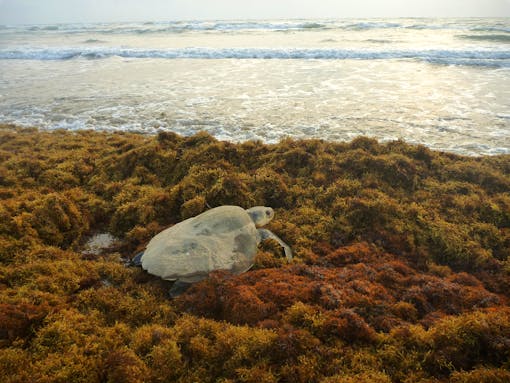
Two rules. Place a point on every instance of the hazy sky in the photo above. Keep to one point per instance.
(61, 11)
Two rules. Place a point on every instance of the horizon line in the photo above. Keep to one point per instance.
(255, 19)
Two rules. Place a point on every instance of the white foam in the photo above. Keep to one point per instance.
(481, 57)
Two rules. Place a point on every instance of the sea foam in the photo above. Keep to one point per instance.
(491, 58)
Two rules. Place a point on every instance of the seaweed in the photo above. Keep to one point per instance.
(401, 270)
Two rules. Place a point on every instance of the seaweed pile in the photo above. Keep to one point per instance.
(401, 270)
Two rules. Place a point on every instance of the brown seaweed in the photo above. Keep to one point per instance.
(401, 270)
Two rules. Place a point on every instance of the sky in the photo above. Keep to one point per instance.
(71, 11)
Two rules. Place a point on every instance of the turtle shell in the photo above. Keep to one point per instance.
(223, 238)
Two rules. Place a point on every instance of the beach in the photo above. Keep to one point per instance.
(382, 146)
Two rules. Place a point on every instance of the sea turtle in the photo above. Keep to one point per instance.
(222, 238)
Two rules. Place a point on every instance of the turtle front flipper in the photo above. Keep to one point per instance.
(267, 234)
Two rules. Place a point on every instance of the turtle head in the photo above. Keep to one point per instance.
(260, 215)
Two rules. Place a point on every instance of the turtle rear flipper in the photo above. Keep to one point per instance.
(137, 259)
(178, 288)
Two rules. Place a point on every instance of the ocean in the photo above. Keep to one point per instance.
(444, 83)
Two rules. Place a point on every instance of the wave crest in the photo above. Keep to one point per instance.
(489, 58)
(494, 26)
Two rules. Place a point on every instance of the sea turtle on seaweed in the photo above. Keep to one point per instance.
(222, 238)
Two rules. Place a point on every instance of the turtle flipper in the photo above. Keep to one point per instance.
(137, 259)
(267, 234)
(178, 288)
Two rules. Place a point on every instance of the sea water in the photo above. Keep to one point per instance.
(444, 83)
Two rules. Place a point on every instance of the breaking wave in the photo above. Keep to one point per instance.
(171, 27)
(498, 26)
(490, 58)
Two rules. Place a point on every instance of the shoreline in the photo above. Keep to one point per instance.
(158, 131)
